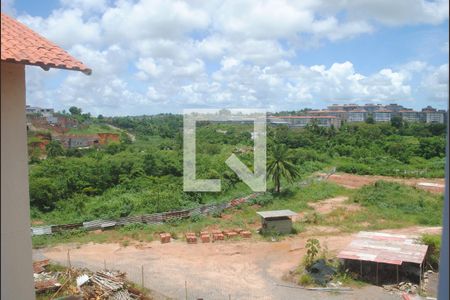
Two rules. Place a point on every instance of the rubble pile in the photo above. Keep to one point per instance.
(80, 284)
(406, 287)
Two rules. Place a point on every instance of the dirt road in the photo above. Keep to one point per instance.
(434, 185)
(223, 270)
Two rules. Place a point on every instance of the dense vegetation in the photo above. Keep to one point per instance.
(146, 176)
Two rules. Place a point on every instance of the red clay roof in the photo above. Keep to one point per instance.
(20, 44)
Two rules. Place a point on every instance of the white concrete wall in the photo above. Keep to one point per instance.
(16, 265)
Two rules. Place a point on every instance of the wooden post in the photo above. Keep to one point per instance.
(397, 273)
(360, 268)
(420, 277)
(69, 264)
(377, 273)
(142, 275)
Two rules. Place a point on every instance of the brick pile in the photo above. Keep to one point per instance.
(164, 237)
(217, 235)
(191, 238)
(246, 234)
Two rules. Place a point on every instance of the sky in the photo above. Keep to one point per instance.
(155, 56)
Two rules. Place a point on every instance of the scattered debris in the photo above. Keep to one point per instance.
(42, 286)
(82, 280)
(100, 285)
(38, 266)
(321, 272)
(407, 287)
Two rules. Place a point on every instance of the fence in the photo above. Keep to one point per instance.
(160, 218)
(157, 218)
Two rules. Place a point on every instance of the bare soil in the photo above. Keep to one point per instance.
(328, 205)
(246, 269)
(351, 181)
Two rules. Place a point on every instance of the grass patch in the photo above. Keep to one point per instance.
(434, 249)
(394, 201)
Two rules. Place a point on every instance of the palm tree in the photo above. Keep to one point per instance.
(280, 166)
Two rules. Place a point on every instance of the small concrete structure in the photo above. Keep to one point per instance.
(278, 221)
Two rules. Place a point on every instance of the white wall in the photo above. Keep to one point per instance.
(16, 265)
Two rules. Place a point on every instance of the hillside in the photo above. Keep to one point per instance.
(146, 176)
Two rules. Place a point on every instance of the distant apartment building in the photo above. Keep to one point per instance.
(45, 112)
(395, 108)
(358, 115)
(87, 140)
(340, 114)
(410, 115)
(345, 107)
(302, 121)
(433, 117)
(382, 115)
(370, 107)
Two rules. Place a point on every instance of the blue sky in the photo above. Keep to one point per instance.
(151, 56)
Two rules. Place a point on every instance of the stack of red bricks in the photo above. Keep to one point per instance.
(245, 234)
(191, 238)
(204, 236)
(164, 237)
(217, 235)
(230, 233)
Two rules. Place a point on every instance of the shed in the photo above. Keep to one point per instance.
(277, 221)
(385, 257)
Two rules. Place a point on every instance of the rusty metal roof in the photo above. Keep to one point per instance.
(276, 213)
(385, 248)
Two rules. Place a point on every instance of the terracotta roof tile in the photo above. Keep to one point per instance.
(20, 44)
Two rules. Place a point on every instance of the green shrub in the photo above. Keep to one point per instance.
(394, 201)
(305, 280)
(434, 248)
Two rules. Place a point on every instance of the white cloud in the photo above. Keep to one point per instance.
(436, 82)
(151, 55)
(65, 27)
(399, 12)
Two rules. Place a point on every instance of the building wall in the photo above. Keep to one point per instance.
(281, 225)
(382, 116)
(434, 117)
(16, 255)
(356, 117)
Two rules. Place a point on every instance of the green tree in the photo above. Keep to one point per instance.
(54, 149)
(280, 166)
(75, 110)
(397, 122)
(370, 120)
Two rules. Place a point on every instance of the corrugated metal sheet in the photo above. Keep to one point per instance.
(41, 230)
(385, 248)
(157, 218)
